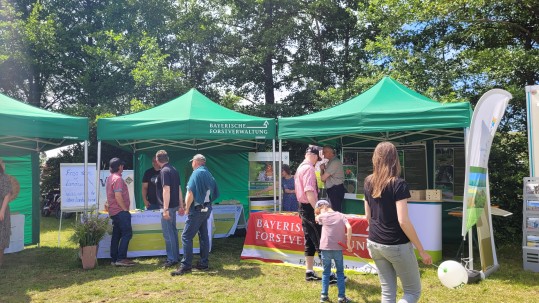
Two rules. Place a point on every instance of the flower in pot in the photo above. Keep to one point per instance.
(87, 234)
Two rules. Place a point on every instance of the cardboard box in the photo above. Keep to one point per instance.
(417, 195)
(434, 194)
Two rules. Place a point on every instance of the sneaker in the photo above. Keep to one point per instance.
(169, 264)
(324, 298)
(113, 263)
(344, 300)
(125, 263)
(181, 271)
(311, 276)
(202, 267)
(333, 278)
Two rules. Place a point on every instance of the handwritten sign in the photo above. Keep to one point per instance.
(72, 186)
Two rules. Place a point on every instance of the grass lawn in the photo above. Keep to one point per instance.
(54, 274)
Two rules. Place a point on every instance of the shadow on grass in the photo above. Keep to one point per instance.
(40, 269)
(366, 291)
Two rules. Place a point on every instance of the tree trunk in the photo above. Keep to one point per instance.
(268, 80)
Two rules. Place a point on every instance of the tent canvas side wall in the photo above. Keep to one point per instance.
(230, 169)
(25, 131)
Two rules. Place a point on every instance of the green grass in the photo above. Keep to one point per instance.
(54, 274)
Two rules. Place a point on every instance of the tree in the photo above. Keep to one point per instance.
(27, 58)
(457, 50)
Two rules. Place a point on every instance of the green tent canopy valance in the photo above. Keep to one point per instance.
(387, 111)
(25, 128)
(25, 131)
(189, 122)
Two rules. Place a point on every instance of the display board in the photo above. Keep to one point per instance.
(129, 178)
(357, 165)
(530, 224)
(449, 169)
(72, 186)
(262, 172)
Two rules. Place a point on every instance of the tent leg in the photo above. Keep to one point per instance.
(60, 228)
(85, 177)
(470, 249)
(280, 175)
(97, 174)
(274, 179)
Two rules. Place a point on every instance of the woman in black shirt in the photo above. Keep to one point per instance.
(391, 233)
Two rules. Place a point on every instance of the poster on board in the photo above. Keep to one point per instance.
(129, 178)
(72, 186)
(261, 172)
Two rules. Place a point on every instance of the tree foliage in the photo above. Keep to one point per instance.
(272, 58)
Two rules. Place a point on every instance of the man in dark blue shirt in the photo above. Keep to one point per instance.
(172, 202)
(201, 192)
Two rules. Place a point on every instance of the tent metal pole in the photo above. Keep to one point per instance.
(470, 232)
(280, 175)
(85, 177)
(274, 178)
(97, 174)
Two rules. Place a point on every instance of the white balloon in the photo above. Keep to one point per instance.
(452, 274)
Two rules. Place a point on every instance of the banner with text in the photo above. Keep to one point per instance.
(486, 118)
(278, 238)
(147, 238)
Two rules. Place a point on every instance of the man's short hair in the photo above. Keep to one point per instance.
(199, 158)
(162, 156)
(115, 163)
(329, 147)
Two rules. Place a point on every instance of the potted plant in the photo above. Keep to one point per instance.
(87, 234)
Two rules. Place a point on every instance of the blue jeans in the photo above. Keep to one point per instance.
(396, 261)
(170, 234)
(121, 234)
(327, 256)
(197, 222)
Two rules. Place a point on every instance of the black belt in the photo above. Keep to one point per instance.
(201, 206)
(335, 186)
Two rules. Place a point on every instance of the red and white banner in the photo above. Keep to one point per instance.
(278, 238)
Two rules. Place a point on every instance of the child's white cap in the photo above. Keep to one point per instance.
(321, 203)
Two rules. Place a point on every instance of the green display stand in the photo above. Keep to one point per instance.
(356, 207)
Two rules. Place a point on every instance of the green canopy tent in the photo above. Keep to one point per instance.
(389, 111)
(191, 124)
(25, 131)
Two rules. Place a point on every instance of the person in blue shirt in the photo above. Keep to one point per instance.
(201, 192)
